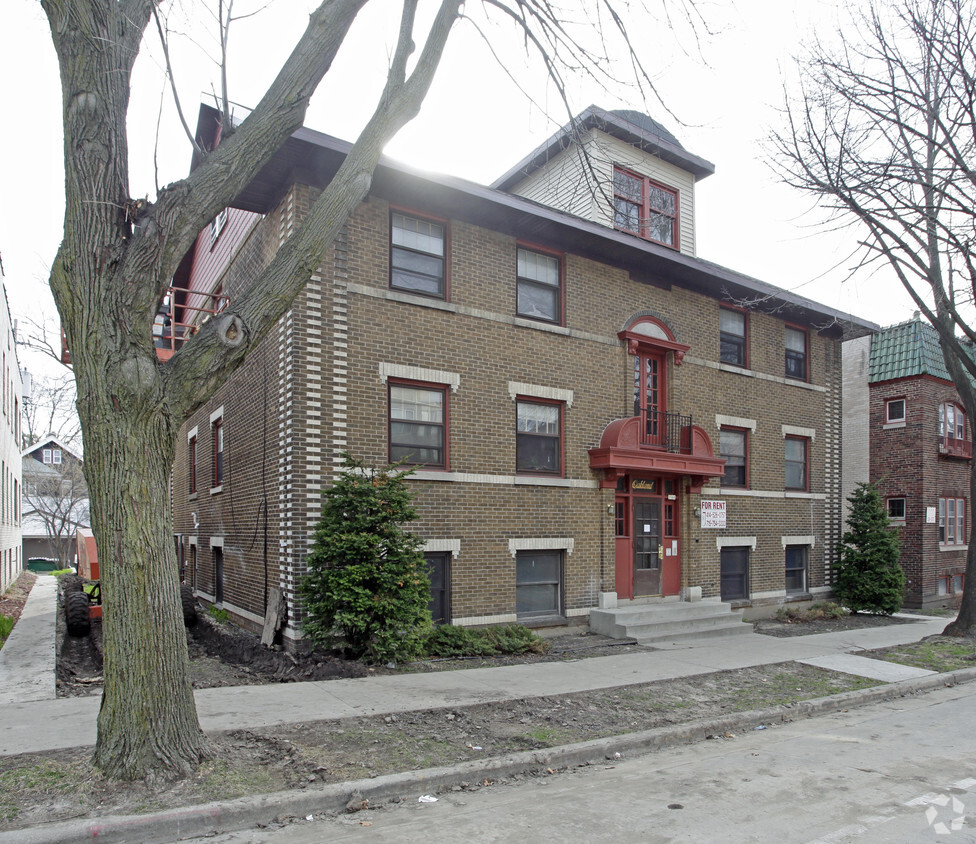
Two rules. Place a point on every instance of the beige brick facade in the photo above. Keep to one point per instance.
(319, 386)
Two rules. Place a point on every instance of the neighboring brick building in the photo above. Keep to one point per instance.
(573, 382)
(920, 446)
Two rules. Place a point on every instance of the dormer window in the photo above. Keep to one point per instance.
(645, 208)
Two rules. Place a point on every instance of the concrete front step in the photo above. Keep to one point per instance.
(672, 621)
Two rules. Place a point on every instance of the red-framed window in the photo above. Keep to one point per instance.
(796, 353)
(796, 463)
(217, 435)
(896, 509)
(733, 327)
(952, 431)
(645, 207)
(191, 456)
(952, 521)
(734, 448)
(538, 437)
(418, 254)
(621, 521)
(418, 424)
(538, 292)
(895, 410)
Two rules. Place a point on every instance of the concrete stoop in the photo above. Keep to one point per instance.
(669, 621)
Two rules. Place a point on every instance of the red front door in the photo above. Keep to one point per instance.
(647, 546)
(647, 549)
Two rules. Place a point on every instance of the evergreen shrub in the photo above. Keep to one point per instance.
(367, 590)
(869, 577)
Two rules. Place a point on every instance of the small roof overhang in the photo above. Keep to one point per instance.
(620, 453)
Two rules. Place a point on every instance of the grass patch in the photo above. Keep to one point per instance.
(936, 653)
(6, 625)
(219, 614)
(217, 780)
(782, 689)
(53, 782)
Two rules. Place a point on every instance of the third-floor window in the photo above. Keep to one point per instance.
(417, 253)
(645, 207)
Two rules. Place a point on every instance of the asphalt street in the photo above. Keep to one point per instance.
(901, 771)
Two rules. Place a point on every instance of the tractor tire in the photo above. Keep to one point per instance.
(71, 583)
(189, 602)
(77, 614)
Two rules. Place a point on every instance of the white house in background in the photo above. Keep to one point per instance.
(11, 406)
(55, 502)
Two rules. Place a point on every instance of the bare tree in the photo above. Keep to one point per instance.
(118, 257)
(49, 409)
(56, 498)
(884, 134)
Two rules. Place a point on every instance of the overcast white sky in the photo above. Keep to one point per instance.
(475, 124)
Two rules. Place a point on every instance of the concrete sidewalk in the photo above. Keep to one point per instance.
(27, 658)
(70, 722)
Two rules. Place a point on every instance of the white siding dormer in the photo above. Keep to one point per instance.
(566, 182)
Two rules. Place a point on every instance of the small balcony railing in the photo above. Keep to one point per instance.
(950, 447)
(180, 316)
(660, 429)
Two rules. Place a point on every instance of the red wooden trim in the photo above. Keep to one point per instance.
(638, 343)
(647, 182)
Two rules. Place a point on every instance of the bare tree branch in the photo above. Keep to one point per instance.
(884, 133)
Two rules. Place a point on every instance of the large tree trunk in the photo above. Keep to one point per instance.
(112, 270)
(148, 720)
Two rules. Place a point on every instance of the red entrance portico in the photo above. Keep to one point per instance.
(652, 459)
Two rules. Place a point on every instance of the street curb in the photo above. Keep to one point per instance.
(249, 812)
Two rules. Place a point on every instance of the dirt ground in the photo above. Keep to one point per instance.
(773, 627)
(12, 601)
(57, 786)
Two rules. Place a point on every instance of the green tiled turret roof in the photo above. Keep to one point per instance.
(901, 351)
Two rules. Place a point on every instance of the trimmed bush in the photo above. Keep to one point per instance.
(367, 590)
(446, 641)
(869, 578)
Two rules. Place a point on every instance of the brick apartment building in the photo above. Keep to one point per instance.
(596, 416)
(919, 452)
